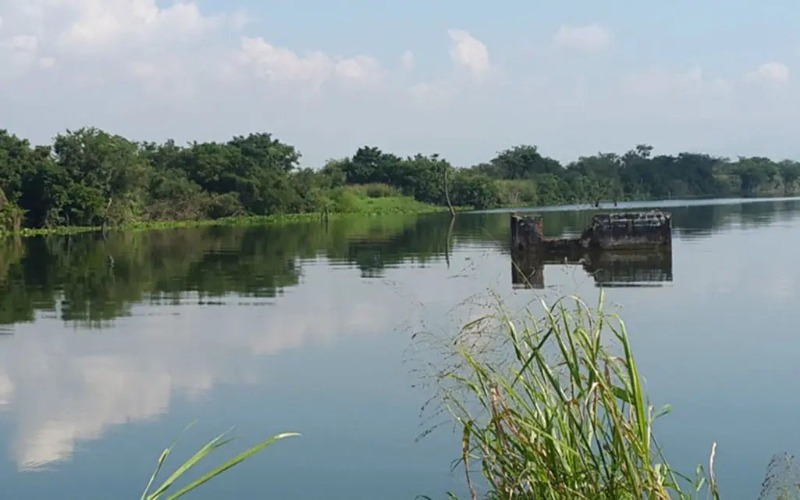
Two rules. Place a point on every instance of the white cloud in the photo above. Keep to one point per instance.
(407, 60)
(468, 52)
(769, 73)
(157, 69)
(429, 93)
(18, 55)
(666, 93)
(47, 62)
(23, 43)
(660, 81)
(589, 38)
(281, 65)
(95, 40)
(168, 78)
(102, 25)
(239, 19)
(359, 70)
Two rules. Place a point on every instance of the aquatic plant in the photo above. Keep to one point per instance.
(553, 406)
(162, 491)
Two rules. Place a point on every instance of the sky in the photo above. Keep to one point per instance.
(464, 79)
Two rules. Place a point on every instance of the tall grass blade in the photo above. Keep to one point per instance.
(230, 463)
(197, 458)
(554, 407)
(162, 459)
(194, 460)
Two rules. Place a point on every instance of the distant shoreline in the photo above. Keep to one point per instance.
(245, 220)
(399, 206)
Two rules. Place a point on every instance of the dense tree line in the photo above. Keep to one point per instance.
(89, 177)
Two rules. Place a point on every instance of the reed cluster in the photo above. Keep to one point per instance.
(552, 407)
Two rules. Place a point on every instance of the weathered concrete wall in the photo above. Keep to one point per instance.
(526, 232)
(629, 230)
(607, 231)
(617, 249)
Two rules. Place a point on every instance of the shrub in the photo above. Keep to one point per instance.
(344, 200)
(379, 190)
(11, 217)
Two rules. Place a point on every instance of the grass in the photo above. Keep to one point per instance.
(553, 407)
(163, 490)
(376, 199)
(359, 204)
(393, 205)
(148, 225)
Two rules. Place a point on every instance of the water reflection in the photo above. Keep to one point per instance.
(90, 280)
(65, 389)
(292, 287)
(607, 268)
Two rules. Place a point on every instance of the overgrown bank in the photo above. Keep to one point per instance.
(89, 178)
(354, 202)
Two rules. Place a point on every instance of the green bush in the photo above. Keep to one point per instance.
(377, 190)
(344, 200)
(223, 205)
(11, 217)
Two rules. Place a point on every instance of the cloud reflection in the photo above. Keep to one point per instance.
(65, 387)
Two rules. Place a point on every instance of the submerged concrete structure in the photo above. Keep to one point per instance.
(634, 230)
(617, 249)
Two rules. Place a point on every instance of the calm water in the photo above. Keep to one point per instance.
(109, 348)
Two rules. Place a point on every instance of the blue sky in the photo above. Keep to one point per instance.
(463, 79)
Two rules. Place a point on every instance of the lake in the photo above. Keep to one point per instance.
(110, 346)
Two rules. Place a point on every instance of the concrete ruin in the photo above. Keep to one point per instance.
(618, 249)
(636, 230)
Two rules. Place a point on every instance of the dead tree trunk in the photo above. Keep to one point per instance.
(447, 194)
(447, 241)
(104, 228)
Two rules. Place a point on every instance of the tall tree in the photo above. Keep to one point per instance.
(106, 176)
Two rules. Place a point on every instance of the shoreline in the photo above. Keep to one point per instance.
(244, 220)
(414, 209)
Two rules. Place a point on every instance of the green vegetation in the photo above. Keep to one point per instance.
(91, 179)
(91, 278)
(554, 408)
(376, 199)
(216, 443)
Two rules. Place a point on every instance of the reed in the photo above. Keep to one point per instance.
(552, 406)
(163, 492)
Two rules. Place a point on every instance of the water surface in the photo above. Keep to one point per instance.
(111, 346)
